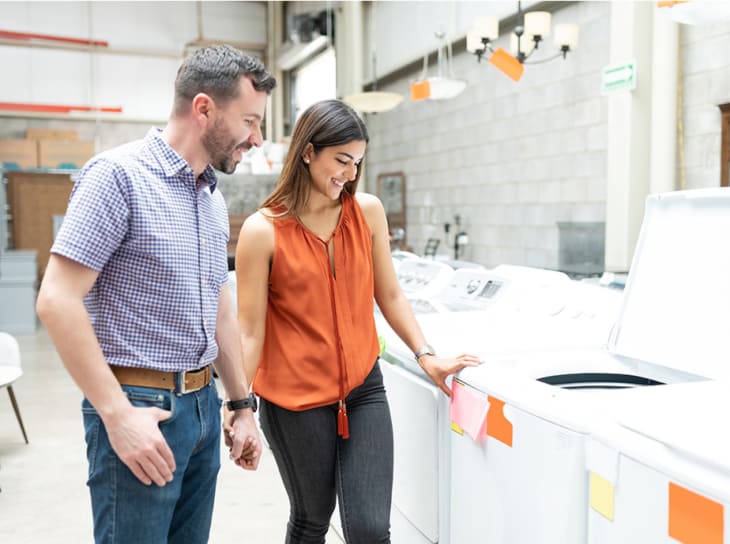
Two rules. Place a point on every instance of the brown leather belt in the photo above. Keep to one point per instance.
(180, 382)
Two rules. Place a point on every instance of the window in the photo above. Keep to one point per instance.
(313, 81)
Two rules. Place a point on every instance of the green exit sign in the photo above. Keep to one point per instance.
(619, 77)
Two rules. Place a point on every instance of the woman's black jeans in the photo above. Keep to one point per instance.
(315, 463)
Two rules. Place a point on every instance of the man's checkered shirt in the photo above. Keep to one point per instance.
(158, 241)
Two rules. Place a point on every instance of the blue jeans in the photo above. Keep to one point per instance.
(128, 512)
(316, 464)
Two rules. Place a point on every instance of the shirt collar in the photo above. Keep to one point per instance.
(172, 163)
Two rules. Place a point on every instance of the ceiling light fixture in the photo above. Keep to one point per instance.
(442, 86)
(532, 29)
(373, 101)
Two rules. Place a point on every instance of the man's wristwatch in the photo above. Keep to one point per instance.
(425, 350)
(242, 404)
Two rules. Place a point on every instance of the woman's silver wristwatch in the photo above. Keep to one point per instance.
(425, 350)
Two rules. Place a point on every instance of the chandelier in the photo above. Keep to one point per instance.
(532, 29)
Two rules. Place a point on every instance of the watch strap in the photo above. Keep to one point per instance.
(243, 404)
(425, 350)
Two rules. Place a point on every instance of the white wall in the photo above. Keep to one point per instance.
(149, 39)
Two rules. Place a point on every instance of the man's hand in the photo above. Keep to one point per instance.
(136, 438)
(242, 438)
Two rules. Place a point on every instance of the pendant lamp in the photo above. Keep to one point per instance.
(374, 101)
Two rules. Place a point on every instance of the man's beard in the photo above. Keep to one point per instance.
(220, 148)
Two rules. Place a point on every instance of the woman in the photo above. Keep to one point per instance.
(308, 265)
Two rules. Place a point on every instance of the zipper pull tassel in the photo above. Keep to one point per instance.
(343, 427)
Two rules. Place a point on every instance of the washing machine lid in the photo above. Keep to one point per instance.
(687, 418)
(676, 306)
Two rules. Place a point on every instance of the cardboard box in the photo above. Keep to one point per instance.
(18, 153)
(59, 154)
(51, 134)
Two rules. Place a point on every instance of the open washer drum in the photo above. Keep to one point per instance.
(482, 312)
(522, 477)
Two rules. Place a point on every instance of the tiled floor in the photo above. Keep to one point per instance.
(44, 497)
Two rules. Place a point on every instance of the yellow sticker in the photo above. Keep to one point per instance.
(381, 343)
(602, 496)
(456, 428)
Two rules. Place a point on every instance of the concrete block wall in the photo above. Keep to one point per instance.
(511, 159)
(706, 85)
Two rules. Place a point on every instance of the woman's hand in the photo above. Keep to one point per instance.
(438, 368)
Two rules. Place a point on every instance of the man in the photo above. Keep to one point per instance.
(135, 300)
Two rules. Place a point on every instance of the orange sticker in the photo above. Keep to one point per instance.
(498, 426)
(507, 64)
(420, 90)
(694, 519)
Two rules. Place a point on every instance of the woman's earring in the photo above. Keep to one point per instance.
(306, 161)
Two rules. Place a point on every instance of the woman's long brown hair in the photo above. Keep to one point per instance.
(324, 124)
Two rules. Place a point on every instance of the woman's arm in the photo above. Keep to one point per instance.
(394, 304)
(254, 251)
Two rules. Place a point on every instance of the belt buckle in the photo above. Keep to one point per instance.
(182, 388)
(180, 379)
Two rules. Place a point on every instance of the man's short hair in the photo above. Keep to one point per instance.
(216, 71)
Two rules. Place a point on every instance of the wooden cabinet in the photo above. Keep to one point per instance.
(34, 198)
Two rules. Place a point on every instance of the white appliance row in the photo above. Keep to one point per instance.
(556, 438)
(487, 313)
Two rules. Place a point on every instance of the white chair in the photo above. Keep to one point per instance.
(10, 371)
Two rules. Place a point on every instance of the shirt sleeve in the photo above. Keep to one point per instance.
(97, 218)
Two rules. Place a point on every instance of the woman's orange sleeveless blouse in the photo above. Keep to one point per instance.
(320, 340)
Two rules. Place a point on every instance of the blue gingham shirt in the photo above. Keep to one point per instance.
(158, 240)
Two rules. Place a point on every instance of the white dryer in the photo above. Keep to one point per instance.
(660, 472)
(523, 478)
(482, 313)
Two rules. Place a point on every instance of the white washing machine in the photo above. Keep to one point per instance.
(399, 256)
(660, 472)
(486, 314)
(420, 280)
(423, 278)
(522, 478)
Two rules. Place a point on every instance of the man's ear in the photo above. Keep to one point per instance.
(203, 105)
